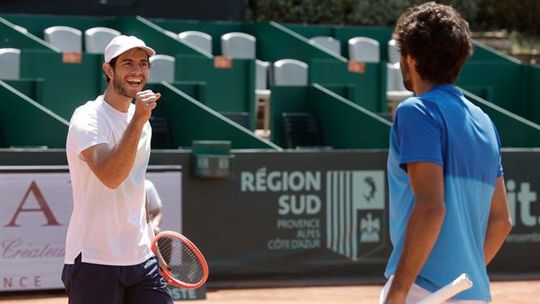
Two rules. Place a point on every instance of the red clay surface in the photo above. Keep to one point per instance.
(513, 292)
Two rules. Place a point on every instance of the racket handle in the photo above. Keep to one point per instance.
(461, 283)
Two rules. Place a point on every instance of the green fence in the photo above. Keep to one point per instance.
(368, 88)
(13, 38)
(191, 120)
(344, 125)
(504, 84)
(532, 87)
(36, 24)
(514, 131)
(64, 85)
(227, 89)
(275, 42)
(483, 52)
(24, 123)
(61, 86)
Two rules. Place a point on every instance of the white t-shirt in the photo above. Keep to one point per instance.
(154, 201)
(107, 226)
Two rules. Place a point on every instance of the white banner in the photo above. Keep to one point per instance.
(35, 209)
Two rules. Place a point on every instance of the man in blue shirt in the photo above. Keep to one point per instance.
(448, 208)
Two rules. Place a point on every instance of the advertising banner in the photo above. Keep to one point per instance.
(35, 208)
(292, 213)
(287, 213)
(522, 247)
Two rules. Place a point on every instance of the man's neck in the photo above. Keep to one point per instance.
(115, 100)
(421, 87)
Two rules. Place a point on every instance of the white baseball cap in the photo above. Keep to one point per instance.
(121, 44)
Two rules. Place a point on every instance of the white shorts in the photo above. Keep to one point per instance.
(417, 293)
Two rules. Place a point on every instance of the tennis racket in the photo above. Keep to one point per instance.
(181, 263)
(461, 283)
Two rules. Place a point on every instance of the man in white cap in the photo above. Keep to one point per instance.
(108, 257)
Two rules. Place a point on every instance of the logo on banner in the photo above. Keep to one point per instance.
(524, 211)
(370, 229)
(44, 208)
(525, 197)
(354, 211)
(348, 209)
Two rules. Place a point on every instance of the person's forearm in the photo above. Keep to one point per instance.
(497, 231)
(499, 223)
(156, 221)
(158, 218)
(114, 167)
(422, 231)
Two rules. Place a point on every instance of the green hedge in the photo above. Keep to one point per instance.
(354, 12)
(519, 15)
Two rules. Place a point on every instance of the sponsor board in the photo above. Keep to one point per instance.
(339, 210)
(35, 212)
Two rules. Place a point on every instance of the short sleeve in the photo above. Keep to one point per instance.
(418, 134)
(500, 171)
(85, 131)
(154, 201)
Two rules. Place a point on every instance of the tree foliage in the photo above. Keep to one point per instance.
(522, 15)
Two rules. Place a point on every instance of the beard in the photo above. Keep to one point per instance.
(121, 89)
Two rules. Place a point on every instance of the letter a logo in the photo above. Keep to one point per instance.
(43, 207)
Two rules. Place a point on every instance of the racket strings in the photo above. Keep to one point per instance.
(182, 262)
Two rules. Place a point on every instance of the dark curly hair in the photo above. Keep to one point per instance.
(437, 37)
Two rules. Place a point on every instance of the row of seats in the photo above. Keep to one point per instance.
(285, 72)
(362, 49)
(235, 45)
(238, 45)
(69, 39)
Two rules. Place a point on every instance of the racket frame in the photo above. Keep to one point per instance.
(461, 283)
(164, 267)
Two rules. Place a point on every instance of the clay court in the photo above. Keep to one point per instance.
(513, 292)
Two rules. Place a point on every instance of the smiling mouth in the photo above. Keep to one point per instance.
(134, 82)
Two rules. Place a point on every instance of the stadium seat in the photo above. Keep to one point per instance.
(10, 63)
(393, 52)
(290, 72)
(395, 89)
(301, 130)
(198, 40)
(329, 43)
(66, 38)
(97, 38)
(238, 45)
(364, 49)
(162, 69)
(241, 118)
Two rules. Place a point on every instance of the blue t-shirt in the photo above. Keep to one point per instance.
(442, 127)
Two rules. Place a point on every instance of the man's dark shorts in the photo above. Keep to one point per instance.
(88, 283)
